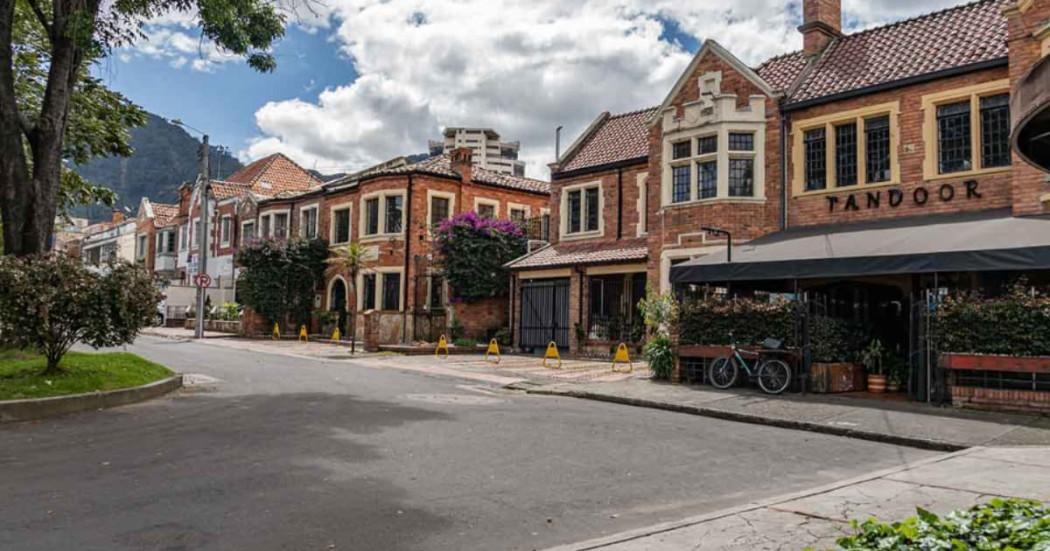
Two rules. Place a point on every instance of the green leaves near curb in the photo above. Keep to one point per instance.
(999, 525)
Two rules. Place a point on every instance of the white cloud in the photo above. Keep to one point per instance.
(179, 49)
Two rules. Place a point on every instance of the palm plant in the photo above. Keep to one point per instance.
(348, 259)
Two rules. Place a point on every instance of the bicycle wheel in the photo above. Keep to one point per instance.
(722, 373)
(774, 376)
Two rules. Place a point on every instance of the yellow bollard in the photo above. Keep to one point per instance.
(302, 334)
(336, 335)
(442, 346)
(493, 349)
(552, 353)
(622, 356)
(276, 332)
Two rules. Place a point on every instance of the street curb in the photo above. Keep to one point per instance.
(40, 408)
(910, 441)
(662, 528)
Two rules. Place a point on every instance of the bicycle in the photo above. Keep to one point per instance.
(773, 375)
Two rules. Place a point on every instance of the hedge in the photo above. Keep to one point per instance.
(709, 321)
(1017, 323)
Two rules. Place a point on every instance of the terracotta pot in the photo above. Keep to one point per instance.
(876, 383)
(893, 386)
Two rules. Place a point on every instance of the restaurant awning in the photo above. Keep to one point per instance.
(969, 242)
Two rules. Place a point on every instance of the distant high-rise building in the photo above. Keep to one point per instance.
(489, 151)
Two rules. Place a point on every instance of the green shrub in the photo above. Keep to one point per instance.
(502, 336)
(1017, 323)
(278, 279)
(1001, 524)
(659, 352)
(465, 343)
(231, 311)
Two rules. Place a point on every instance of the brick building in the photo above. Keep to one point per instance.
(903, 129)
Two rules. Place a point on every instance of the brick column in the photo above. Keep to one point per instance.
(371, 331)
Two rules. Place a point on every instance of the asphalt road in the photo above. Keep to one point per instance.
(286, 453)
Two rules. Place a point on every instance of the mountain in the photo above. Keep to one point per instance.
(165, 157)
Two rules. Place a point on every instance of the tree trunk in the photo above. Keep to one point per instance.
(13, 174)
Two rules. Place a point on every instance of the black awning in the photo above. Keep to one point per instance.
(973, 242)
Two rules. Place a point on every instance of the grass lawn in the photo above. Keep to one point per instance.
(81, 372)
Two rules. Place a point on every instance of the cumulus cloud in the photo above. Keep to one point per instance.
(179, 48)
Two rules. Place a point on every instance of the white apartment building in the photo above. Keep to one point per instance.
(489, 151)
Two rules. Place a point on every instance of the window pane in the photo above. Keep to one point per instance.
(309, 223)
(707, 144)
(681, 150)
(846, 154)
(740, 141)
(517, 215)
(280, 225)
(707, 179)
(995, 131)
(391, 291)
(393, 214)
(679, 184)
(439, 207)
(437, 290)
(953, 137)
(741, 177)
(341, 232)
(248, 232)
(592, 209)
(368, 290)
(877, 149)
(574, 214)
(816, 159)
(372, 216)
(545, 227)
(265, 226)
(486, 210)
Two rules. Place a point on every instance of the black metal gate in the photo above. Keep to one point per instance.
(545, 313)
(927, 381)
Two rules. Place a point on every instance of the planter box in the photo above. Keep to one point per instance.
(836, 377)
(219, 326)
(1001, 400)
(993, 362)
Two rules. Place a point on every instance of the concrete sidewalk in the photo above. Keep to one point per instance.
(911, 424)
(819, 516)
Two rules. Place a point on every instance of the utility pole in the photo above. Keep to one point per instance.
(202, 264)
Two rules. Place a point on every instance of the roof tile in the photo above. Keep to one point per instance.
(617, 138)
(273, 174)
(441, 165)
(572, 254)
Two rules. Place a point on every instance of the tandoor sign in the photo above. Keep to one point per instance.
(893, 198)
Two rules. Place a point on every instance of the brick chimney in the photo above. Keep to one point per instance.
(117, 216)
(821, 23)
(462, 163)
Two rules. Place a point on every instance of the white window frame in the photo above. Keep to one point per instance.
(381, 225)
(721, 156)
(254, 224)
(349, 208)
(225, 230)
(272, 230)
(564, 233)
(380, 272)
(478, 201)
(315, 207)
(518, 206)
(642, 181)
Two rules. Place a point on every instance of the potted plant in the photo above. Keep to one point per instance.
(895, 373)
(872, 359)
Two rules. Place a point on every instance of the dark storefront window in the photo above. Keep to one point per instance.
(846, 154)
(953, 137)
(877, 149)
(995, 131)
(707, 179)
(816, 159)
(741, 177)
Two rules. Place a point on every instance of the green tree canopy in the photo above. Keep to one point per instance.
(278, 279)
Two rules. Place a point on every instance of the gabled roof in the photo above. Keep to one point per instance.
(952, 39)
(273, 174)
(575, 254)
(610, 139)
(441, 165)
(221, 189)
(164, 213)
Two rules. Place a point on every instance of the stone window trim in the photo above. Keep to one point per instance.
(316, 207)
(381, 234)
(511, 207)
(248, 236)
(829, 124)
(437, 194)
(494, 203)
(563, 223)
(272, 223)
(642, 181)
(721, 156)
(973, 94)
(332, 210)
(225, 230)
(380, 272)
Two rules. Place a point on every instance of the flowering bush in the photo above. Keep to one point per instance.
(49, 303)
(472, 251)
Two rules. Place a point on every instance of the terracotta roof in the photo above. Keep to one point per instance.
(164, 213)
(274, 174)
(572, 254)
(614, 138)
(943, 40)
(441, 165)
(782, 71)
(221, 189)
